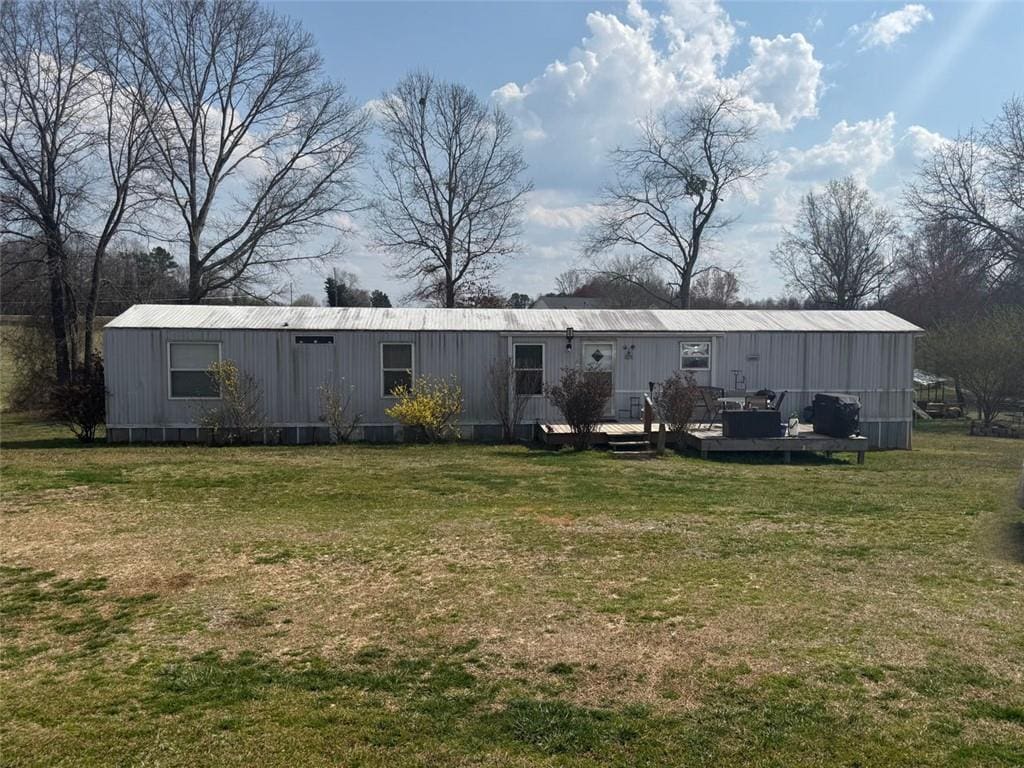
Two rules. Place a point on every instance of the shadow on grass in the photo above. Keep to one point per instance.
(62, 443)
(797, 458)
(1010, 540)
(530, 450)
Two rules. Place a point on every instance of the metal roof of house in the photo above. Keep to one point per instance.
(509, 320)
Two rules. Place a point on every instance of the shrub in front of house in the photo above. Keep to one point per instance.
(581, 395)
(239, 416)
(337, 410)
(430, 408)
(675, 398)
(81, 403)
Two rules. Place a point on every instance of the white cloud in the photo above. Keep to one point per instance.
(782, 80)
(700, 34)
(922, 141)
(576, 110)
(859, 149)
(885, 30)
(544, 210)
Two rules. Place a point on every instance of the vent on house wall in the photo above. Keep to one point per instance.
(314, 339)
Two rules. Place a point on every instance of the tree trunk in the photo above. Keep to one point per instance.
(196, 292)
(449, 282)
(58, 310)
(90, 313)
(685, 279)
(195, 274)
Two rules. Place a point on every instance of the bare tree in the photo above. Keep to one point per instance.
(841, 249)
(983, 353)
(507, 400)
(72, 148)
(665, 203)
(256, 147)
(450, 188)
(569, 281)
(46, 92)
(977, 181)
(127, 150)
(942, 273)
(715, 289)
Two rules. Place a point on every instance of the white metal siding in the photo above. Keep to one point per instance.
(877, 367)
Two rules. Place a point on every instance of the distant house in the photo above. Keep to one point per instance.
(568, 302)
(156, 358)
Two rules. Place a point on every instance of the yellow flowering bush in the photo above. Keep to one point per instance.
(431, 405)
(238, 415)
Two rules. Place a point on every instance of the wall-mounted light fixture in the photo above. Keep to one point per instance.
(627, 350)
(568, 338)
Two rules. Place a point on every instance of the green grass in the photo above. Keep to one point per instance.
(471, 605)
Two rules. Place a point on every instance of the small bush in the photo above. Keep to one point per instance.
(675, 400)
(240, 416)
(431, 406)
(582, 395)
(337, 411)
(507, 403)
(81, 404)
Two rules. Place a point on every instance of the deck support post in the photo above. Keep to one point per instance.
(661, 438)
(860, 457)
(786, 457)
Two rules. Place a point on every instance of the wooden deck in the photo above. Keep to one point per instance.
(710, 440)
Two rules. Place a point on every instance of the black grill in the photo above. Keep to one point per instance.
(836, 415)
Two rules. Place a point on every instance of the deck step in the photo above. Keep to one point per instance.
(628, 444)
(648, 454)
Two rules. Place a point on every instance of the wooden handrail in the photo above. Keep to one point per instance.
(649, 413)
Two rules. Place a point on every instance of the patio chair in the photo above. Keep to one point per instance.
(712, 408)
(777, 403)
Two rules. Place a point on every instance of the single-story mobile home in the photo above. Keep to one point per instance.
(157, 357)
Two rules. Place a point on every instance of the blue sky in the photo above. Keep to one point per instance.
(840, 88)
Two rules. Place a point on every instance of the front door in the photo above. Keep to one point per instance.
(599, 360)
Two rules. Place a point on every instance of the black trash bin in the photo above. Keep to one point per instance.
(836, 414)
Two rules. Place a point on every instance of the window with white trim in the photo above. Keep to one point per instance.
(396, 368)
(528, 364)
(695, 355)
(188, 365)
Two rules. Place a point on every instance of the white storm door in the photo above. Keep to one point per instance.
(599, 360)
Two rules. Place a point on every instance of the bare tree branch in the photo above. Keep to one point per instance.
(841, 251)
(73, 143)
(449, 188)
(257, 149)
(664, 204)
(977, 181)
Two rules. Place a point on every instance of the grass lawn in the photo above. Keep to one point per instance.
(469, 605)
